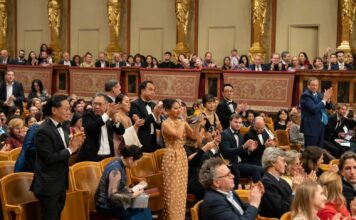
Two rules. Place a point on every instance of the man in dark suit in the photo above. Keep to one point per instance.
(167, 63)
(233, 147)
(99, 125)
(347, 168)
(4, 57)
(11, 92)
(66, 60)
(314, 117)
(278, 195)
(21, 60)
(275, 64)
(150, 112)
(341, 65)
(102, 63)
(112, 89)
(220, 200)
(258, 65)
(264, 140)
(117, 61)
(227, 106)
(54, 148)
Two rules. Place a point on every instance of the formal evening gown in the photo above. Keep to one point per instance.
(175, 176)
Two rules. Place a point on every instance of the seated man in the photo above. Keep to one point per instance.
(113, 198)
(102, 62)
(220, 200)
(258, 65)
(233, 147)
(259, 134)
(347, 168)
(278, 195)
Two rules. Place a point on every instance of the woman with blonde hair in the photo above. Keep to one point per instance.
(336, 204)
(16, 134)
(308, 199)
(294, 166)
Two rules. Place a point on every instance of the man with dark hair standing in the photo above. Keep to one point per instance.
(314, 117)
(54, 148)
(112, 89)
(167, 63)
(11, 92)
(227, 106)
(144, 108)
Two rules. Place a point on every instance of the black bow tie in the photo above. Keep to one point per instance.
(229, 103)
(59, 125)
(148, 103)
(236, 133)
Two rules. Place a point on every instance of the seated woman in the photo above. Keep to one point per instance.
(30, 120)
(250, 116)
(282, 120)
(16, 134)
(198, 151)
(294, 167)
(318, 64)
(295, 136)
(243, 63)
(112, 198)
(88, 61)
(308, 200)
(226, 63)
(332, 185)
(311, 159)
(38, 91)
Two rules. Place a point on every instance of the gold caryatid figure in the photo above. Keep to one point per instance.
(3, 23)
(348, 11)
(182, 17)
(259, 11)
(114, 17)
(54, 19)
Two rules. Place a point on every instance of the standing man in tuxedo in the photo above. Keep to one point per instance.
(54, 148)
(227, 106)
(99, 125)
(145, 109)
(11, 92)
(112, 89)
(314, 117)
(233, 147)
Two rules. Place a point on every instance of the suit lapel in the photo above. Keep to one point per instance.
(58, 135)
(143, 107)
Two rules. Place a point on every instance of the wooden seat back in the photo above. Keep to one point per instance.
(194, 211)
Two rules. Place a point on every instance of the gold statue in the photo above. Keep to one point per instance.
(182, 16)
(3, 23)
(259, 11)
(348, 11)
(54, 16)
(114, 17)
(259, 14)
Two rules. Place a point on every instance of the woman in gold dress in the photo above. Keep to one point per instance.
(175, 162)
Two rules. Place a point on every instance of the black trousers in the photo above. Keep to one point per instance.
(52, 205)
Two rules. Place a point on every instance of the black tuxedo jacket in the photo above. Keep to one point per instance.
(71, 62)
(224, 112)
(217, 207)
(228, 146)
(277, 198)
(148, 141)
(92, 125)
(255, 156)
(17, 91)
(98, 64)
(51, 166)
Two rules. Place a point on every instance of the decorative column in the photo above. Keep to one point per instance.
(3, 23)
(114, 18)
(54, 19)
(259, 10)
(348, 8)
(182, 17)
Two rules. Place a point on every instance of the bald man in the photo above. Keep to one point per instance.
(66, 60)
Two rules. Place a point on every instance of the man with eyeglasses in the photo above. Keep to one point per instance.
(99, 125)
(264, 140)
(220, 200)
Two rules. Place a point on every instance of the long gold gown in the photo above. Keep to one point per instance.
(175, 177)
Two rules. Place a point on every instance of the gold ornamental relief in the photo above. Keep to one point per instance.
(348, 13)
(182, 14)
(54, 16)
(3, 22)
(259, 14)
(114, 12)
